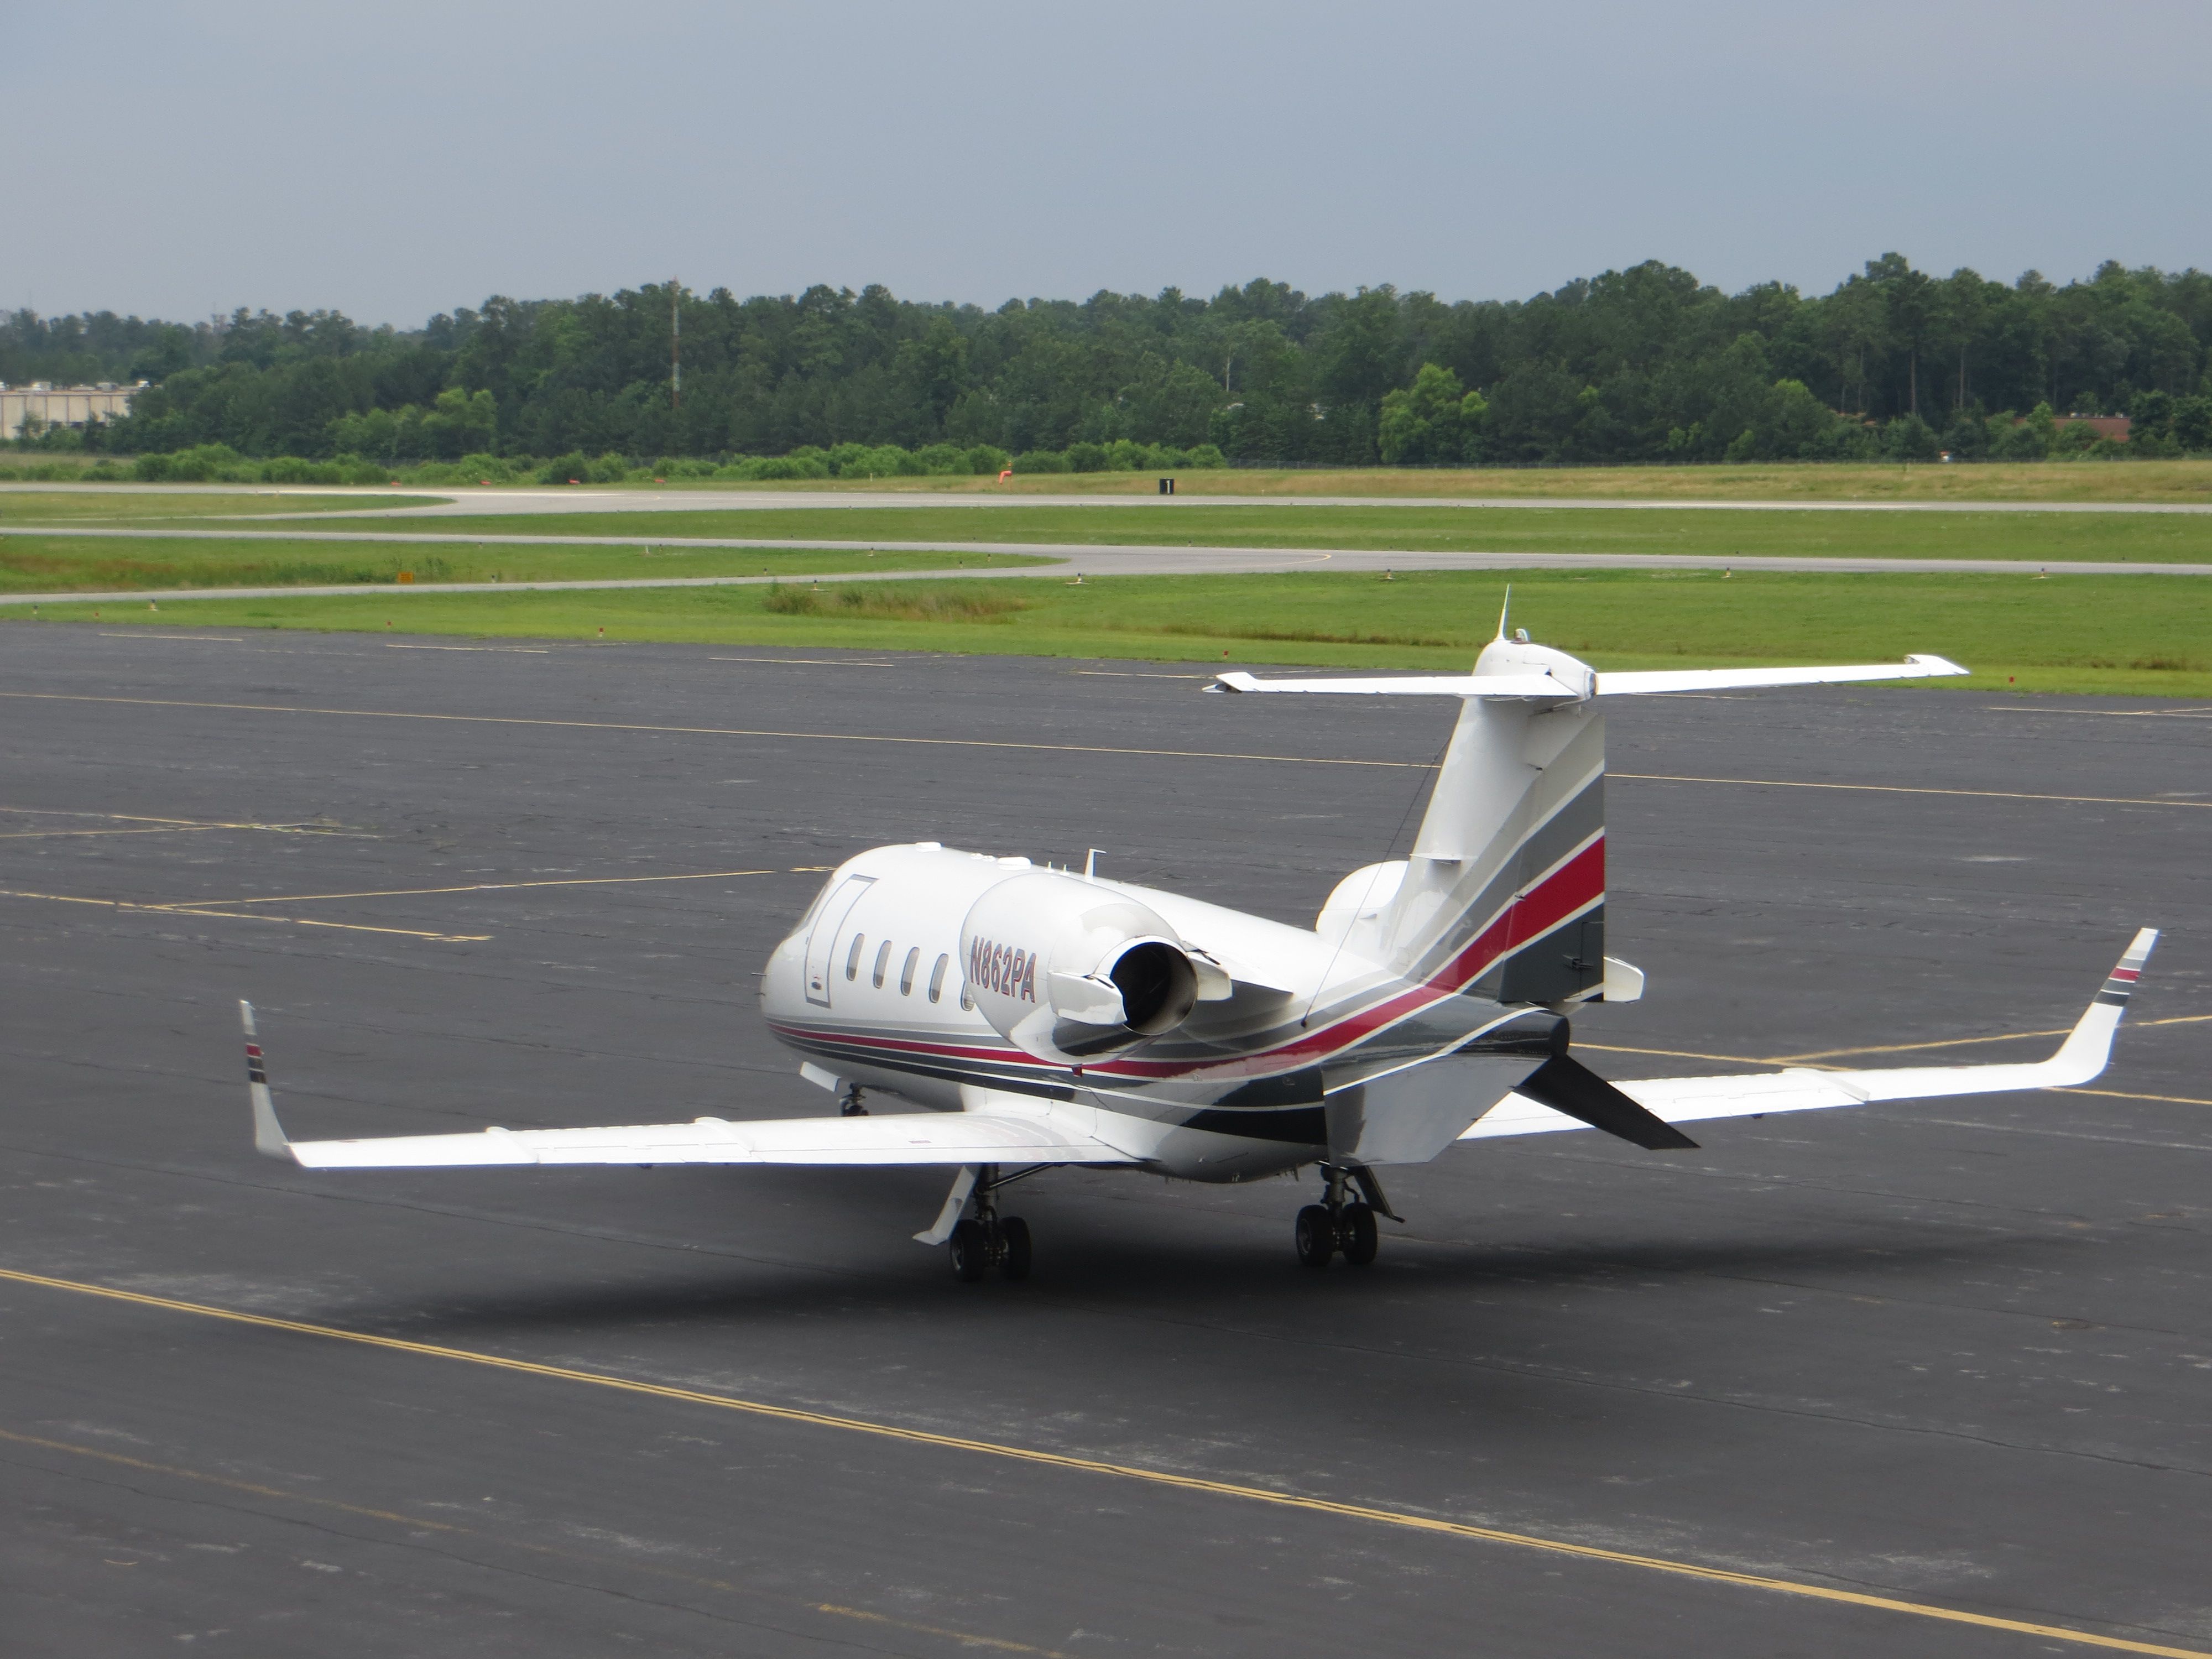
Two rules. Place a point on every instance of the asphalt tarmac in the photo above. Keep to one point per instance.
(1807, 1390)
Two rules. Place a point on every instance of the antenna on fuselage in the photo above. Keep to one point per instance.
(1090, 864)
(1503, 610)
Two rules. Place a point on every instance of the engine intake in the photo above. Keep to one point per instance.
(1067, 970)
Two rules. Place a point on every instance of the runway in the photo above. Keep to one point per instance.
(1807, 1390)
(1066, 559)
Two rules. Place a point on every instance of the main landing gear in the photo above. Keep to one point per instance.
(987, 1239)
(1338, 1225)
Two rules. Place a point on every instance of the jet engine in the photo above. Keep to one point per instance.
(1069, 970)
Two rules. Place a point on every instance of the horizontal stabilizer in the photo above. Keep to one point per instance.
(2081, 1058)
(1410, 685)
(1644, 683)
(1635, 683)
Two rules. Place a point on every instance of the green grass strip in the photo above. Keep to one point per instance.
(2037, 537)
(47, 564)
(2137, 636)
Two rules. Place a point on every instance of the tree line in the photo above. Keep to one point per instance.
(1646, 364)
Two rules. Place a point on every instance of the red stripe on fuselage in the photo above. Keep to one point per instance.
(1573, 886)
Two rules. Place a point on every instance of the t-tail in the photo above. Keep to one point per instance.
(1504, 894)
(1505, 891)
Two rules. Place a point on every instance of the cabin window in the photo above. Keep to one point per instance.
(883, 958)
(852, 957)
(967, 995)
(936, 977)
(906, 974)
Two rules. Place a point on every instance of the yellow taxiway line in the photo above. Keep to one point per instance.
(488, 887)
(1911, 789)
(1403, 1519)
(1814, 1061)
(1050, 748)
(209, 907)
(243, 915)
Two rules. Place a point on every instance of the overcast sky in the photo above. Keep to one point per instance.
(397, 160)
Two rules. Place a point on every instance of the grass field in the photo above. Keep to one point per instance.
(51, 564)
(2139, 635)
(2166, 537)
(161, 507)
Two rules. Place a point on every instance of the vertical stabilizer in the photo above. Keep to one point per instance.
(1505, 893)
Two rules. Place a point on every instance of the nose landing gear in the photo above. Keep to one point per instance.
(1339, 1225)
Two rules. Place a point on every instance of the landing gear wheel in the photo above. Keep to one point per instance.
(971, 1249)
(1355, 1234)
(1316, 1236)
(1014, 1247)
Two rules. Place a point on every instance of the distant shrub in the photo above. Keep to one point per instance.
(1909, 438)
(908, 602)
(474, 469)
(941, 461)
(779, 468)
(1205, 456)
(985, 460)
(1086, 458)
(563, 468)
(202, 463)
(290, 469)
(882, 461)
(1040, 460)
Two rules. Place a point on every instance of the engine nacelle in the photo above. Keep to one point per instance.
(1069, 970)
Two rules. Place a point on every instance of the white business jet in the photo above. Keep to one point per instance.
(1042, 1017)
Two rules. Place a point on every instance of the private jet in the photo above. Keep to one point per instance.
(1026, 1017)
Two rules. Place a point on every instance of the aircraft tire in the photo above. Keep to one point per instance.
(1014, 1248)
(1315, 1234)
(970, 1250)
(1356, 1234)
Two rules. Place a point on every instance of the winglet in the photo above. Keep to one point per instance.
(2081, 1058)
(2089, 1044)
(268, 1134)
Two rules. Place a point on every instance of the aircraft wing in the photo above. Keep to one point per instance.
(2080, 1059)
(910, 1138)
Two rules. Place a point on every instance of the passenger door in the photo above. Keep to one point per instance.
(829, 927)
